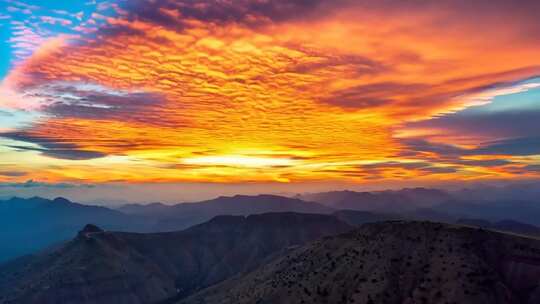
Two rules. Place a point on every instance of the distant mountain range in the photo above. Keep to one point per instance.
(438, 205)
(499, 210)
(394, 262)
(180, 216)
(28, 225)
(113, 267)
(404, 200)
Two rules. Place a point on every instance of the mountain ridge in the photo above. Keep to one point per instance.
(394, 262)
(119, 267)
(32, 224)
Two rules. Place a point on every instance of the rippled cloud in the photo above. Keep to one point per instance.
(278, 91)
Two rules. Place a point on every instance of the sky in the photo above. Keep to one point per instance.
(252, 95)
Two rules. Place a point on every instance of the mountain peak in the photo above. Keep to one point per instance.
(90, 228)
(61, 200)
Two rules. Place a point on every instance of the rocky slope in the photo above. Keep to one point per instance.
(394, 262)
(113, 267)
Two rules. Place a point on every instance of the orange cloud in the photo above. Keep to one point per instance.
(263, 95)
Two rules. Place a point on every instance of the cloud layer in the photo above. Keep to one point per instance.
(279, 91)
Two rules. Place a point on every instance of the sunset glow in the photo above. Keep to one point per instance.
(237, 91)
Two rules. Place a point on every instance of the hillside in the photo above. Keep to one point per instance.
(113, 267)
(394, 262)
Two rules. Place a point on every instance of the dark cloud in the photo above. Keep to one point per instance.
(484, 15)
(280, 10)
(136, 107)
(524, 146)
(70, 154)
(51, 147)
(360, 65)
(13, 173)
(499, 79)
(485, 163)
(388, 165)
(535, 168)
(416, 145)
(423, 168)
(439, 170)
(36, 184)
(501, 124)
(85, 101)
(372, 95)
(516, 146)
(173, 13)
(72, 101)
(419, 95)
(119, 30)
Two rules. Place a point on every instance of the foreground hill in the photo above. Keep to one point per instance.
(112, 267)
(181, 216)
(394, 262)
(32, 224)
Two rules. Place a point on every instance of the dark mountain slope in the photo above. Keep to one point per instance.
(111, 267)
(394, 262)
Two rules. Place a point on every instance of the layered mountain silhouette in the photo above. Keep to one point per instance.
(439, 205)
(286, 258)
(496, 210)
(381, 201)
(183, 215)
(394, 262)
(28, 225)
(115, 267)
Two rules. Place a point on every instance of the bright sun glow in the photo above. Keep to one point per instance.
(239, 160)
